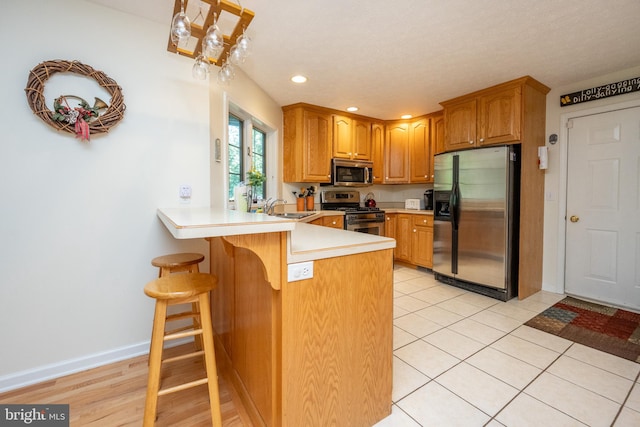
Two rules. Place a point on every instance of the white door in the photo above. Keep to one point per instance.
(603, 208)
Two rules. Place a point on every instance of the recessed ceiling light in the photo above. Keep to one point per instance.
(406, 116)
(352, 109)
(298, 79)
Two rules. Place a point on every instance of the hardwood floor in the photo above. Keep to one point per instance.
(113, 395)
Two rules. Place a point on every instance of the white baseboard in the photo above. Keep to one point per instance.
(71, 366)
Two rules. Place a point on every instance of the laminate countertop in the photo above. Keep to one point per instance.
(305, 242)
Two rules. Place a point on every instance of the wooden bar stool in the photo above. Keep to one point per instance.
(181, 288)
(176, 263)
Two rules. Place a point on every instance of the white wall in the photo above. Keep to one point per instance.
(553, 279)
(78, 222)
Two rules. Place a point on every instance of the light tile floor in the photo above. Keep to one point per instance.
(463, 359)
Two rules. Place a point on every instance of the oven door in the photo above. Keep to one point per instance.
(370, 226)
(376, 228)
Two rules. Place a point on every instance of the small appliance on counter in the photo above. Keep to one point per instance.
(428, 200)
(415, 204)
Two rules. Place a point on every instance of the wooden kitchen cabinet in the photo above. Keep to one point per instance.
(460, 125)
(361, 143)
(488, 117)
(390, 225)
(396, 153)
(408, 155)
(422, 241)
(420, 149)
(499, 116)
(437, 134)
(377, 152)
(334, 221)
(351, 138)
(414, 237)
(307, 144)
(404, 230)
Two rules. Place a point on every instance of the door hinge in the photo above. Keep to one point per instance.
(570, 124)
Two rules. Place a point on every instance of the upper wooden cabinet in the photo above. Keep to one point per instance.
(420, 146)
(499, 116)
(361, 140)
(377, 152)
(307, 144)
(437, 137)
(491, 116)
(396, 153)
(351, 138)
(408, 155)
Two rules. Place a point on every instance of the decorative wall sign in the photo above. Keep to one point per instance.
(83, 120)
(600, 92)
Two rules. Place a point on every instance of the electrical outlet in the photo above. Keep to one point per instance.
(185, 192)
(300, 271)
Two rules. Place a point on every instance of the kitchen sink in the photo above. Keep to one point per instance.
(294, 215)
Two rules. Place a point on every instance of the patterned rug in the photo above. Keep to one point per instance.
(608, 329)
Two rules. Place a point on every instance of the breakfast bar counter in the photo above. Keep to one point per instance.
(313, 350)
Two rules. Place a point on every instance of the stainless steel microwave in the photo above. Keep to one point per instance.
(351, 173)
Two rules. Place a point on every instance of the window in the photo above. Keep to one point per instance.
(258, 158)
(247, 150)
(235, 154)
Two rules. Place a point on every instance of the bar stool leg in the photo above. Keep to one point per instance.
(155, 363)
(210, 359)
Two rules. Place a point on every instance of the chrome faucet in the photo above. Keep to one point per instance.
(271, 204)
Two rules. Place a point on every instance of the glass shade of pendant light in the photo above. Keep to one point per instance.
(200, 68)
(213, 41)
(180, 26)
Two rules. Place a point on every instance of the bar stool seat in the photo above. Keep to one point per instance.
(177, 263)
(181, 288)
(174, 263)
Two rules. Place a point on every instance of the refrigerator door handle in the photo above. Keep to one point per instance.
(454, 200)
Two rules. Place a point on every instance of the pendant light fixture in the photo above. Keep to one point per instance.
(206, 42)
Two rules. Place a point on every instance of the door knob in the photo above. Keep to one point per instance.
(574, 218)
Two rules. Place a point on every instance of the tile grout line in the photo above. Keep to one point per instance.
(624, 402)
(531, 382)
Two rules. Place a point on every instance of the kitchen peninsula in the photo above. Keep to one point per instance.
(311, 352)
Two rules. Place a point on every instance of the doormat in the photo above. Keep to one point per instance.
(607, 329)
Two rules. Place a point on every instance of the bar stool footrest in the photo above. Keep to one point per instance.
(183, 356)
(183, 386)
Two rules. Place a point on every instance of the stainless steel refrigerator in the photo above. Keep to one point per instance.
(476, 220)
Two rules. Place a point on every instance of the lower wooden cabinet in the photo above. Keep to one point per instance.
(334, 221)
(422, 241)
(414, 237)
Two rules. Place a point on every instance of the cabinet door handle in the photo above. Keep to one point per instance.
(481, 139)
(414, 230)
(470, 142)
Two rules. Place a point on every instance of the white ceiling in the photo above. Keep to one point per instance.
(405, 56)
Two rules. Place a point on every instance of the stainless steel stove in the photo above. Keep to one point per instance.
(356, 218)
